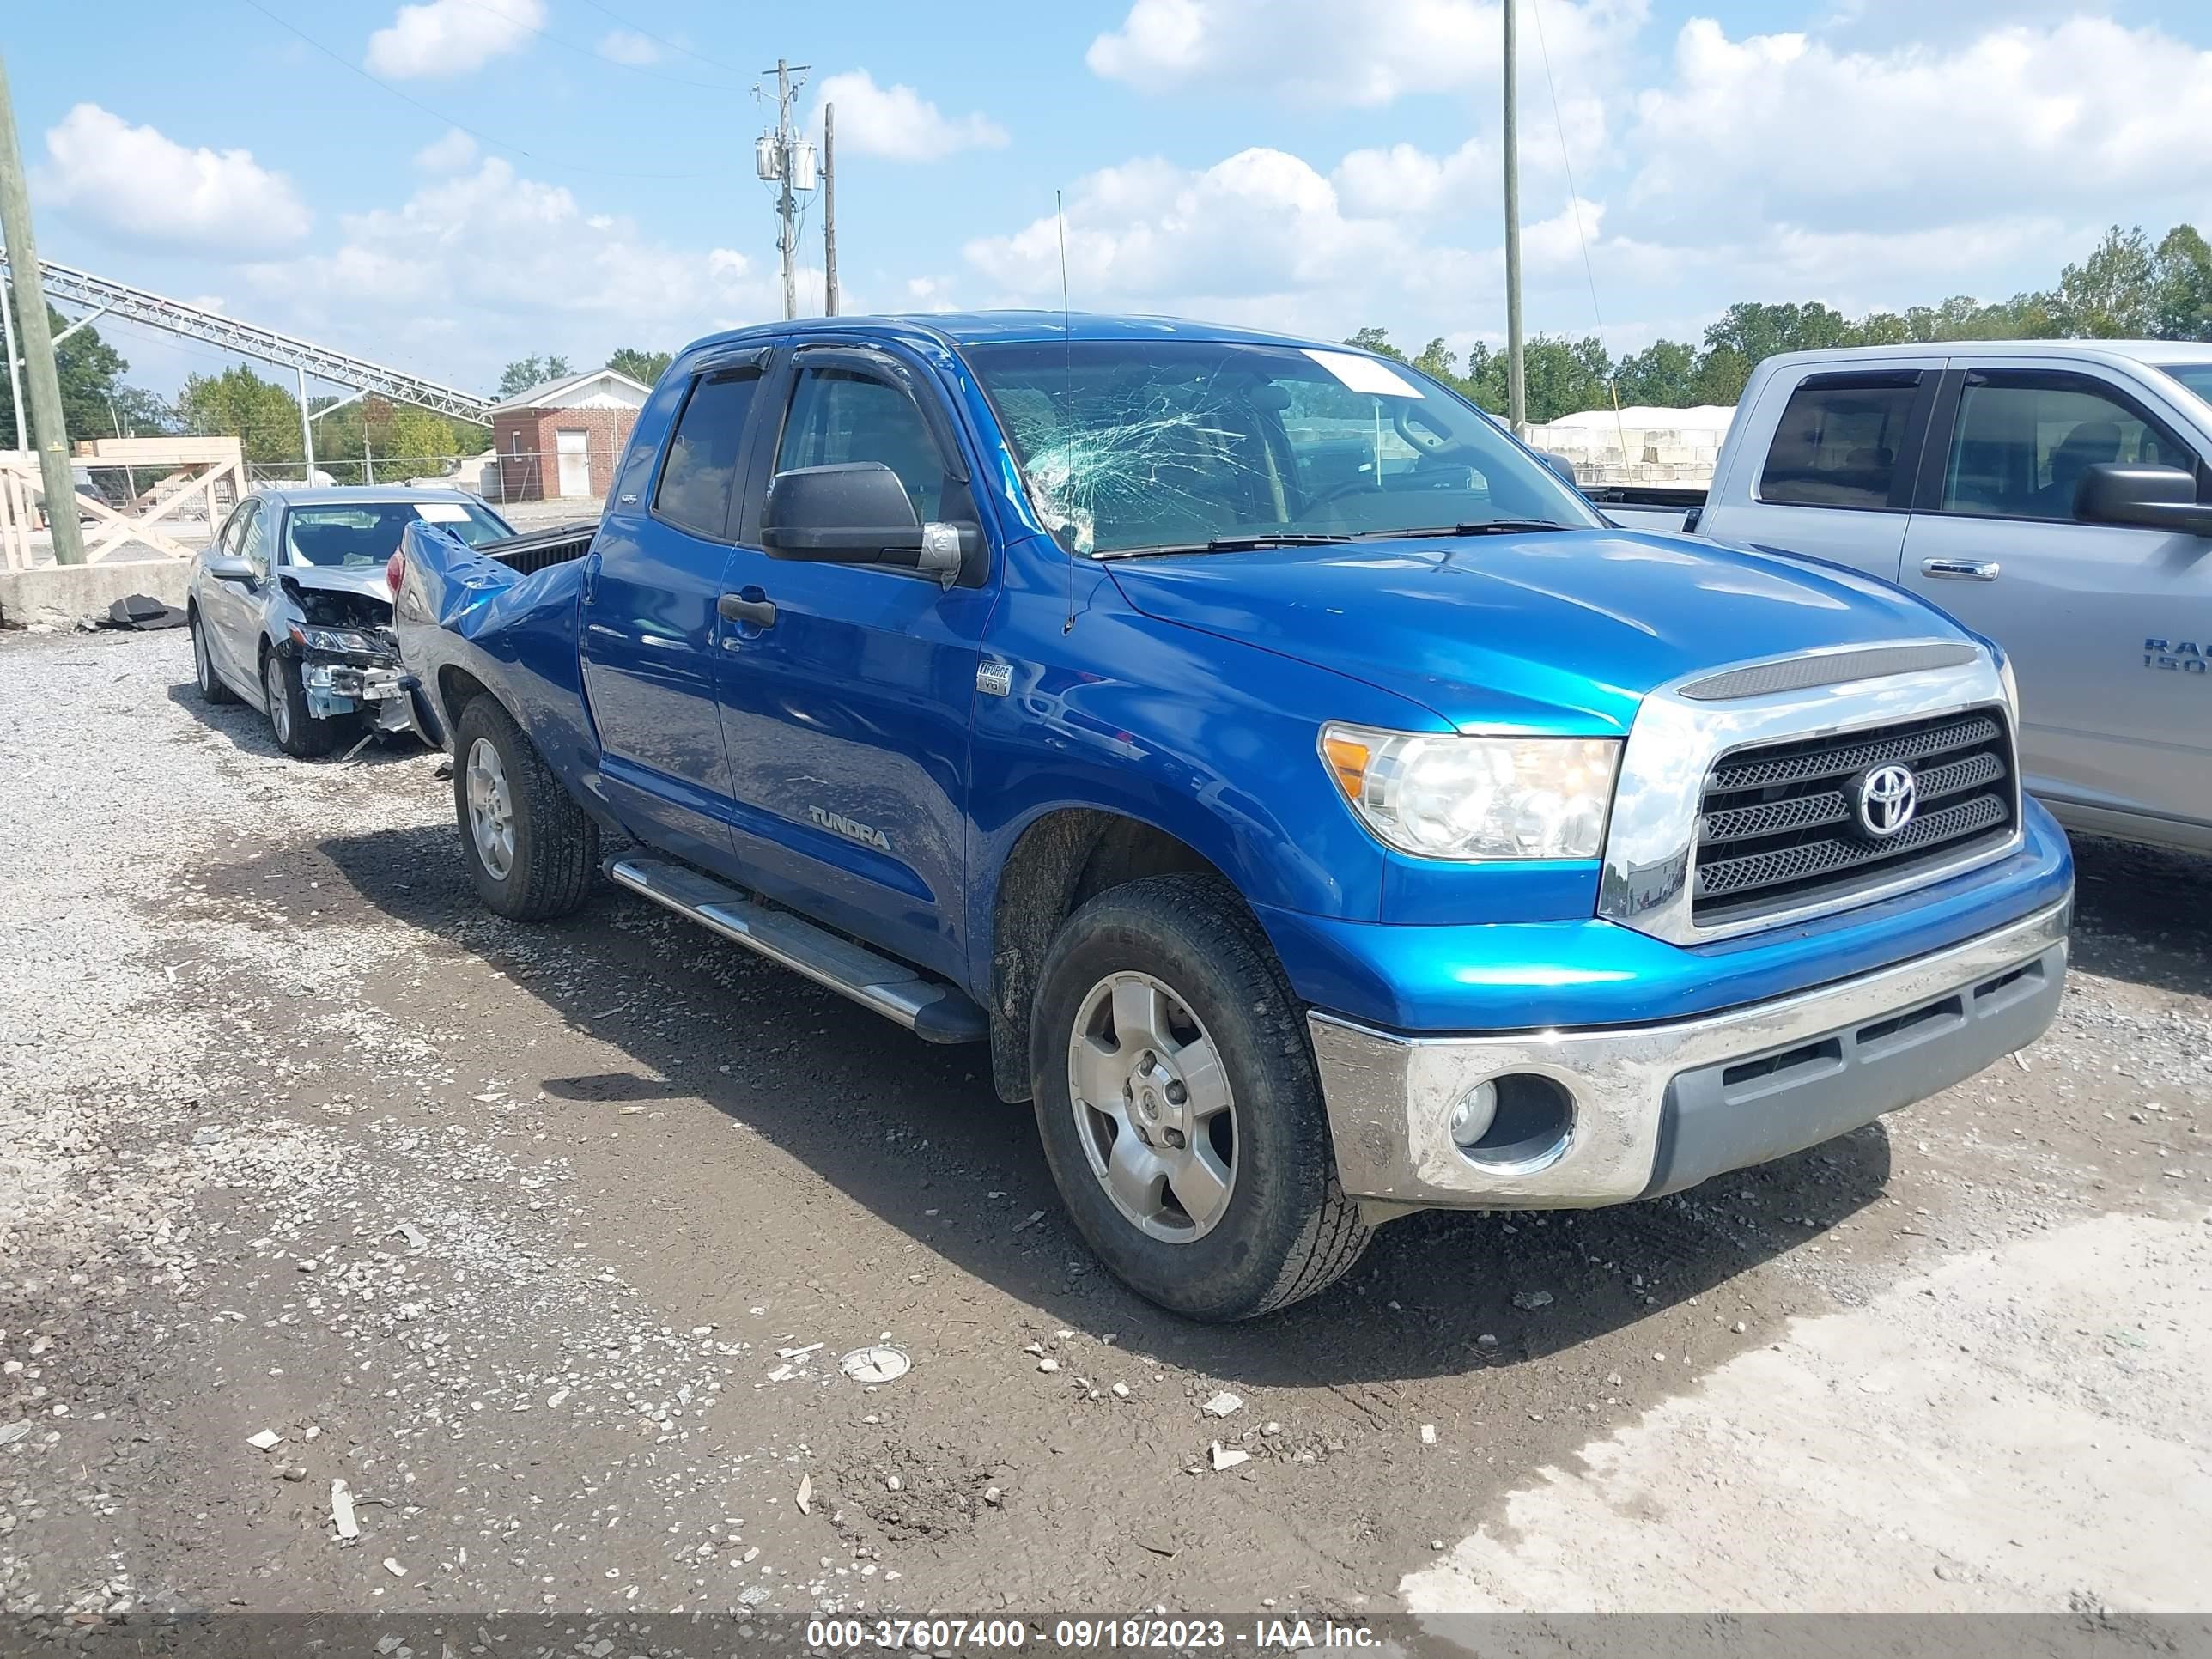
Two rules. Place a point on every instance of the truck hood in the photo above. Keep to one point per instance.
(1552, 630)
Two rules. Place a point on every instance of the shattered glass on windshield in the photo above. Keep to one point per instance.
(1136, 445)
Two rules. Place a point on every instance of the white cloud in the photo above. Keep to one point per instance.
(1784, 127)
(629, 46)
(1260, 237)
(451, 37)
(139, 184)
(450, 154)
(1404, 179)
(413, 282)
(899, 124)
(1345, 52)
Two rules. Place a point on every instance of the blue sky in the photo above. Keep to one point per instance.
(1313, 164)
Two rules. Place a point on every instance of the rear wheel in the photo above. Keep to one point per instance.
(212, 689)
(299, 733)
(531, 849)
(1179, 1107)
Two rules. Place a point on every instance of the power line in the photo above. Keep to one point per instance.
(1575, 207)
(598, 56)
(713, 63)
(341, 59)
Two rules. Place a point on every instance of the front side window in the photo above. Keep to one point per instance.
(839, 416)
(233, 533)
(2023, 442)
(253, 543)
(1167, 445)
(694, 494)
(1839, 442)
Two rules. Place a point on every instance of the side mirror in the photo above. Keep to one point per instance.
(2154, 497)
(857, 513)
(230, 570)
(1562, 467)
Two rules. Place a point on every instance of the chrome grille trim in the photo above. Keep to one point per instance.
(1647, 880)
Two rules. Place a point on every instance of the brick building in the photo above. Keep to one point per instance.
(563, 438)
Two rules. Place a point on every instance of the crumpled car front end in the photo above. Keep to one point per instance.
(348, 655)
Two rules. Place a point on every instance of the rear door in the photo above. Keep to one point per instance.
(651, 629)
(847, 709)
(1831, 458)
(2102, 621)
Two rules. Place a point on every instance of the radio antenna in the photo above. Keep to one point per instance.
(1067, 398)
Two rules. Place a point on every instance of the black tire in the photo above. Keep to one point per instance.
(554, 847)
(298, 734)
(1287, 1229)
(212, 687)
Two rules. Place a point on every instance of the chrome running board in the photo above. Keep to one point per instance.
(933, 1010)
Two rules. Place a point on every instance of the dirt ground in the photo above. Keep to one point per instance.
(545, 1242)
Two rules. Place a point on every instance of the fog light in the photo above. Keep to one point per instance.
(1476, 1111)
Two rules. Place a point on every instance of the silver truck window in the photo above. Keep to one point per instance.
(2022, 444)
(1838, 443)
(694, 494)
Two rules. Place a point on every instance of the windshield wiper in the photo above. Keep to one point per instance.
(1227, 544)
(1481, 528)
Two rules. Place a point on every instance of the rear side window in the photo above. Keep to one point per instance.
(1840, 442)
(702, 454)
(2023, 441)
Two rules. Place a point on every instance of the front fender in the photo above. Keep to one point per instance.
(1208, 739)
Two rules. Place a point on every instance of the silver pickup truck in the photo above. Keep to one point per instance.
(2055, 496)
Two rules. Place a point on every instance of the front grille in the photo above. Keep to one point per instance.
(1778, 825)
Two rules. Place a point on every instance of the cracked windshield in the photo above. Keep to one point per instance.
(1133, 446)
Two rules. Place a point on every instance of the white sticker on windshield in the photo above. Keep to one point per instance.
(1365, 374)
(441, 512)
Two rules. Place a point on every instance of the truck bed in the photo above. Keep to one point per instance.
(541, 549)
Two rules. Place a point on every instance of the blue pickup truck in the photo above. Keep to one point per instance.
(1321, 813)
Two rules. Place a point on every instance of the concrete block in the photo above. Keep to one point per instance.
(59, 594)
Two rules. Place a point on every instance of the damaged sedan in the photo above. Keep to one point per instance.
(289, 612)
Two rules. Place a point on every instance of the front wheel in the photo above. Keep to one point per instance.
(299, 733)
(531, 849)
(1179, 1107)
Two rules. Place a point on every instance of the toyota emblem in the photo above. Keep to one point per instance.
(1887, 796)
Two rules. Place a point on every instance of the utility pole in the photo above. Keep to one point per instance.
(38, 343)
(1516, 383)
(784, 158)
(830, 208)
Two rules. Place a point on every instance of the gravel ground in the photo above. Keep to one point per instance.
(545, 1241)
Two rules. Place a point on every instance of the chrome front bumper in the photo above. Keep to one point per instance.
(1655, 1109)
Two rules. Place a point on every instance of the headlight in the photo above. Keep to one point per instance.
(1476, 798)
(344, 640)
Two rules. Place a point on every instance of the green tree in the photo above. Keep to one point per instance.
(645, 366)
(2182, 301)
(2113, 293)
(91, 373)
(238, 403)
(1664, 374)
(526, 372)
(1377, 340)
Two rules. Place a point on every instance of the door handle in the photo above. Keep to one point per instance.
(1961, 570)
(736, 607)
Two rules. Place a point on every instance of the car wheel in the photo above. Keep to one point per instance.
(212, 689)
(531, 849)
(1180, 1106)
(299, 733)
